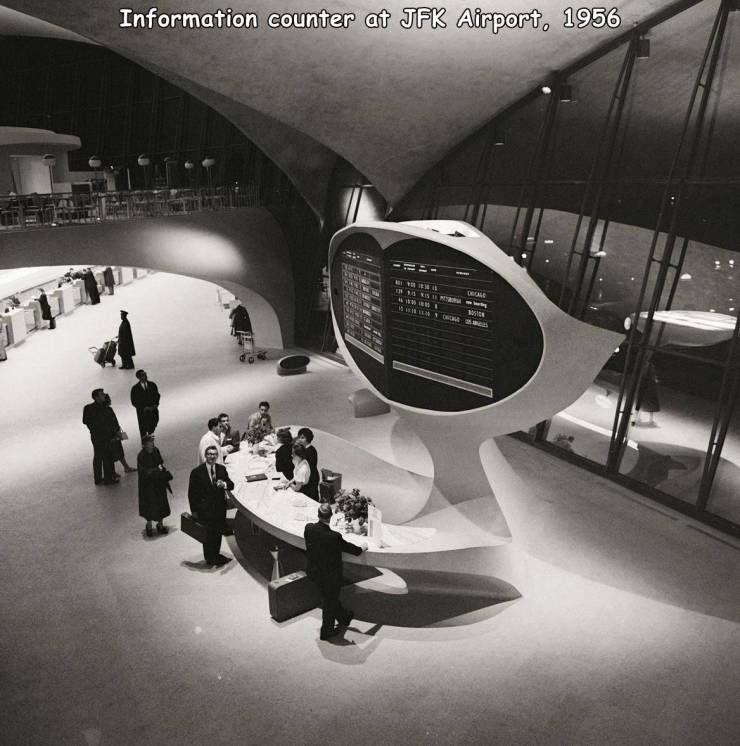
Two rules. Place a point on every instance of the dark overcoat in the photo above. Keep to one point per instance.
(324, 549)
(240, 320)
(91, 287)
(125, 340)
(45, 307)
(153, 502)
(108, 278)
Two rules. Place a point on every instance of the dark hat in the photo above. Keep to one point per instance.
(324, 511)
(124, 313)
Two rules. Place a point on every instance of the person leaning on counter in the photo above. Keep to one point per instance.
(324, 548)
(301, 481)
(284, 454)
(305, 438)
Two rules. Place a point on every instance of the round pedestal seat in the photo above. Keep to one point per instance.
(292, 364)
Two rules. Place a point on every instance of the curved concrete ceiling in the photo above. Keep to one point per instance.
(13, 23)
(308, 163)
(391, 101)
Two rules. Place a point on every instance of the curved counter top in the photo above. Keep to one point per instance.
(411, 534)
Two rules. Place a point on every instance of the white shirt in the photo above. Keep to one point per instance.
(209, 439)
(302, 472)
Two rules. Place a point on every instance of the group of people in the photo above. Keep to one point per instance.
(93, 294)
(209, 481)
(90, 283)
(107, 440)
(125, 345)
(209, 484)
(297, 460)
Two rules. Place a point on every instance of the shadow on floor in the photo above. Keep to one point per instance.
(431, 599)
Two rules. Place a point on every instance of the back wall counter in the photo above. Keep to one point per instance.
(244, 250)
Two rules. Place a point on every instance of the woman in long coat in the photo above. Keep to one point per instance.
(109, 281)
(91, 287)
(46, 313)
(153, 485)
(240, 321)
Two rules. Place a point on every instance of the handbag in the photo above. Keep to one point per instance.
(166, 477)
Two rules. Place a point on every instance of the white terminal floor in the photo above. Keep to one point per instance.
(632, 634)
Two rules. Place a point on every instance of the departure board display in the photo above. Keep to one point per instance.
(362, 302)
(431, 327)
(441, 323)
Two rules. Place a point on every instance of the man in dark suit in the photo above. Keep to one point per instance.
(102, 423)
(324, 548)
(305, 438)
(145, 397)
(207, 496)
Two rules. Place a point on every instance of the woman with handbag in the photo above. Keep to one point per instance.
(116, 446)
(154, 482)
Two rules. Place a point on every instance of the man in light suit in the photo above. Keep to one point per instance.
(145, 398)
(324, 548)
(207, 496)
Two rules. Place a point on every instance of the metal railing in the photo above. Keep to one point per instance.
(75, 208)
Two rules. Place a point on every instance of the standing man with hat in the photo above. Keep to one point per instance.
(145, 398)
(126, 347)
(324, 548)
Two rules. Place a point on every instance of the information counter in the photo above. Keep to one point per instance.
(419, 540)
(15, 320)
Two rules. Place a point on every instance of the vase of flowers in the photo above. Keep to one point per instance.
(254, 436)
(354, 506)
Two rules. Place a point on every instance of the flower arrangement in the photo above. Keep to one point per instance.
(354, 507)
(256, 434)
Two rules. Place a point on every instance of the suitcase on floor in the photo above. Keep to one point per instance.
(98, 354)
(292, 595)
(110, 351)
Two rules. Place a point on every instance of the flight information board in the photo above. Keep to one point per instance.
(441, 323)
(362, 302)
(430, 326)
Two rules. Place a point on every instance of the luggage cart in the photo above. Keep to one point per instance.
(249, 351)
(106, 353)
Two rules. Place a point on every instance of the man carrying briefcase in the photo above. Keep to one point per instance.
(207, 496)
(324, 548)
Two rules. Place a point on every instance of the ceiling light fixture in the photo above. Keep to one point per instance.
(565, 94)
(546, 90)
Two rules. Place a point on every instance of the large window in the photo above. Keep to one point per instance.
(620, 193)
